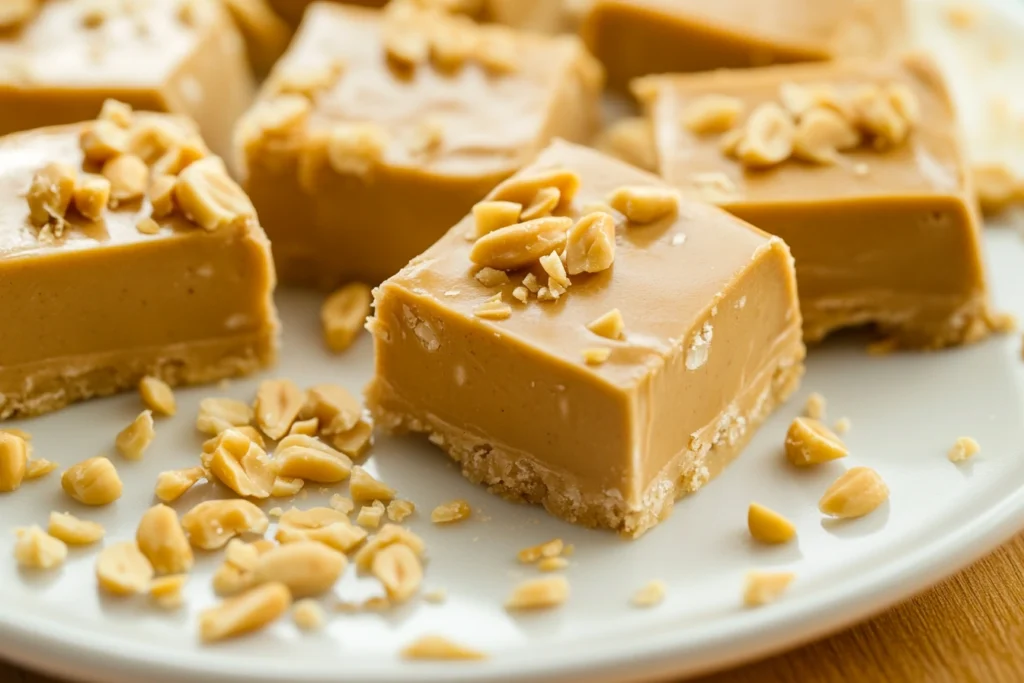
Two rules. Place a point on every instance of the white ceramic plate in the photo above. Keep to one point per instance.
(906, 411)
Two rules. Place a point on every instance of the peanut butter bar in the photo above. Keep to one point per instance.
(638, 37)
(122, 259)
(858, 167)
(62, 61)
(378, 130)
(601, 354)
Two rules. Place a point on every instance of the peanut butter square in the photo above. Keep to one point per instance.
(179, 56)
(873, 194)
(613, 365)
(634, 38)
(379, 129)
(115, 268)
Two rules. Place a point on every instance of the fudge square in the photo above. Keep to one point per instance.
(380, 129)
(117, 263)
(605, 385)
(637, 37)
(863, 176)
(66, 57)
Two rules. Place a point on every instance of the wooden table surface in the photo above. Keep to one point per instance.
(968, 629)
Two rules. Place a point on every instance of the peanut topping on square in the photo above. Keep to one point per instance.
(856, 493)
(92, 196)
(610, 325)
(768, 137)
(210, 198)
(596, 356)
(520, 245)
(644, 204)
(50, 194)
(712, 114)
(523, 190)
(280, 115)
(490, 277)
(544, 202)
(493, 309)
(821, 134)
(491, 215)
(129, 178)
(116, 112)
(356, 148)
(134, 439)
(809, 442)
(768, 526)
(555, 269)
(590, 244)
(102, 141)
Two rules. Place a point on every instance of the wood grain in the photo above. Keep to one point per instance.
(969, 629)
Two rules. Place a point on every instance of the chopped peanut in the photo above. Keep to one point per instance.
(997, 186)
(398, 568)
(356, 148)
(398, 510)
(158, 396)
(370, 516)
(278, 402)
(280, 115)
(50, 194)
(166, 591)
(284, 487)
(161, 195)
(211, 524)
(128, 176)
(610, 325)
(318, 525)
(523, 189)
(74, 531)
(389, 534)
(92, 196)
(147, 226)
(496, 50)
(310, 427)
(162, 540)
(877, 115)
(856, 493)
(454, 511)
(964, 448)
(768, 137)
(553, 266)
(543, 203)
(343, 314)
(821, 134)
(809, 442)
(552, 564)
(92, 482)
(522, 244)
(39, 468)
(649, 595)
(245, 613)
(248, 472)
(36, 549)
(437, 648)
(304, 457)
(491, 277)
(643, 203)
(493, 309)
(102, 141)
(549, 591)
(308, 568)
(308, 615)
(116, 112)
(768, 526)
(842, 425)
(489, 216)
(218, 414)
(552, 548)
(13, 461)
(815, 407)
(210, 198)
(172, 485)
(134, 439)
(590, 244)
(762, 588)
(345, 505)
(364, 487)
(337, 410)
(712, 114)
(122, 569)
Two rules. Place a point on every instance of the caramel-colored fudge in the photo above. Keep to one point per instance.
(379, 130)
(177, 56)
(117, 263)
(858, 167)
(638, 37)
(601, 366)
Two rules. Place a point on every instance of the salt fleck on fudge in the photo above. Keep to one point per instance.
(703, 340)
(126, 252)
(379, 130)
(858, 166)
(178, 56)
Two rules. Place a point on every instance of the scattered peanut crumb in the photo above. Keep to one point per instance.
(398, 510)
(644, 203)
(158, 396)
(762, 588)
(343, 314)
(596, 356)
(166, 591)
(545, 592)
(809, 442)
(552, 548)
(815, 406)
(964, 448)
(370, 516)
(398, 568)
(134, 439)
(493, 309)
(521, 294)
(649, 595)
(13, 461)
(39, 468)
(275, 512)
(448, 513)
(436, 596)
(842, 425)
(712, 114)
(552, 564)
(36, 549)
(74, 531)
(610, 325)
(342, 504)
(437, 648)
(245, 613)
(857, 492)
(364, 487)
(122, 569)
(309, 615)
(490, 277)
(173, 484)
(768, 526)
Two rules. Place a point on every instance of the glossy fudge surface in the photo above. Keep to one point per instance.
(637, 37)
(89, 307)
(163, 55)
(711, 345)
(435, 136)
(888, 237)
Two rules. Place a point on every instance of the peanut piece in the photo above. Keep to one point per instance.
(330, 527)
(644, 203)
(336, 409)
(210, 198)
(389, 534)
(798, 99)
(356, 441)
(356, 148)
(997, 186)
(92, 482)
(278, 402)
(122, 569)
(497, 50)
(712, 114)
(134, 439)
(553, 266)
(596, 356)
(245, 613)
(856, 493)
(92, 196)
(36, 549)
(491, 277)
(172, 484)
(39, 468)
(343, 314)
(147, 226)
(232, 580)
(211, 524)
(158, 396)
(650, 595)
(610, 325)
(399, 510)
(876, 114)
(520, 245)
(343, 504)
(218, 414)
(489, 216)
(370, 516)
(964, 448)
(310, 427)
(552, 564)
(74, 531)
(304, 457)
(632, 140)
(307, 567)
(50, 194)
(250, 475)
(590, 244)
(13, 461)
(102, 141)
(281, 115)
(544, 202)
(398, 568)
(767, 138)
(128, 176)
(285, 487)
(161, 196)
(493, 309)
(809, 442)
(161, 539)
(116, 112)
(548, 591)
(761, 588)
(815, 407)
(552, 548)
(405, 45)
(308, 615)
(523, 189)
(364, 487)
(454, 511)
(821, 134)
(768, 526)
(166, 591)
(437, 648)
